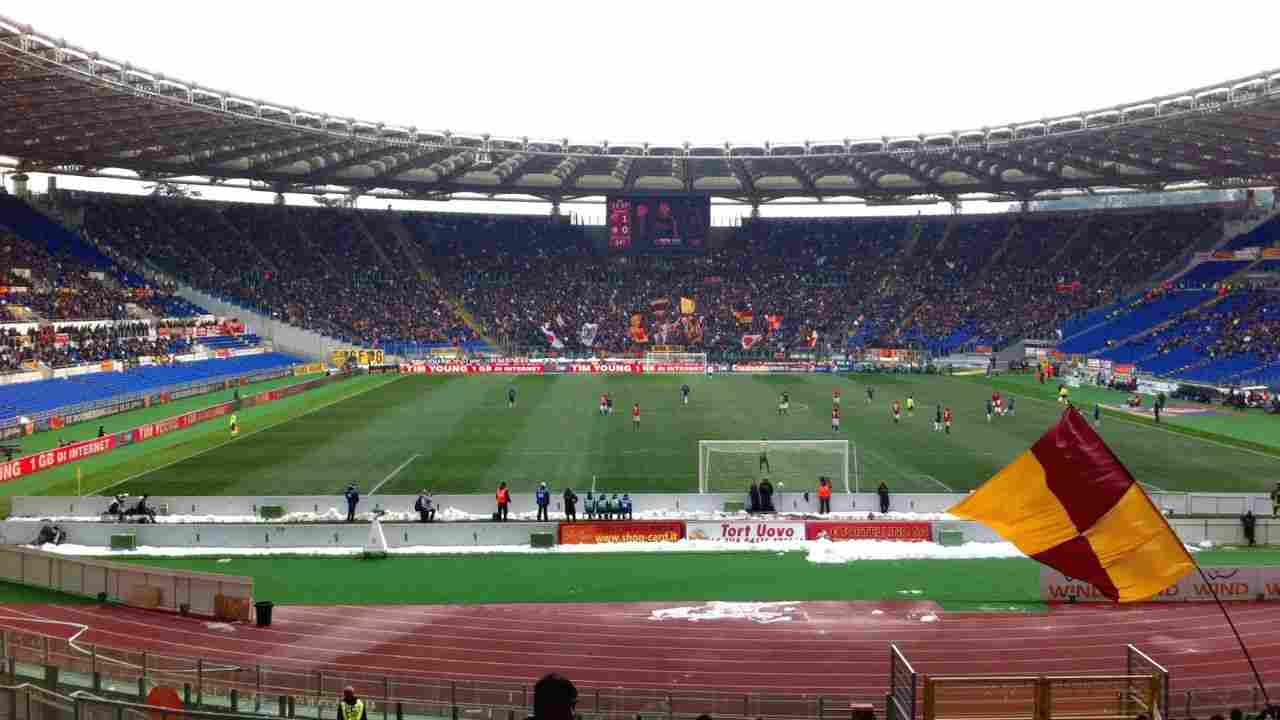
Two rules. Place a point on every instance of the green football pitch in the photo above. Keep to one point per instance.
(457, 434)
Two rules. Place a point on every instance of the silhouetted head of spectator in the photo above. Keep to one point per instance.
(554, 698)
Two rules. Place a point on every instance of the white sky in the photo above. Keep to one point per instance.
(667, 72)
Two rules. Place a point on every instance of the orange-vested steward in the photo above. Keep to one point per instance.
(824, 491)
(504, 496)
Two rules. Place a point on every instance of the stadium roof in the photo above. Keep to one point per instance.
(69, 110)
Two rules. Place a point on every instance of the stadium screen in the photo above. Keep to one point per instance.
(658, 224)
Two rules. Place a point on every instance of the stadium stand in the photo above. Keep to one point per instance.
(320, 269)
(1207, 273)
(45, 395)
(937, 283)
(1264, 235)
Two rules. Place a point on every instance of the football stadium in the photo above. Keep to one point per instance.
(304, 415)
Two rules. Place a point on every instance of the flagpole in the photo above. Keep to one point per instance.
(1257, 677)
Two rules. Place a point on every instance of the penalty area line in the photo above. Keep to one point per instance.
(395, 472)
(224, 443)
(940, 484)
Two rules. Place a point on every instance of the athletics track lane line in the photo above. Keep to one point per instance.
(224, 443)
(483, 632)
(1124, 633)
(1219, 685)
(1232, 675)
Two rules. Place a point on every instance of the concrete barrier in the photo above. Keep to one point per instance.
(337, 535)
(675, 503)
(1192, 531)
(211, 594)
(474, 504)
(284, 536)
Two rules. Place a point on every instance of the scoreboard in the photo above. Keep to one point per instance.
(658, 223)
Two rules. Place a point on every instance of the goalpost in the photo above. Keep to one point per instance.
(731, 465)
(695, 362)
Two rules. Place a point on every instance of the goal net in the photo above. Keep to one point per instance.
(677, 361)
(731, 465)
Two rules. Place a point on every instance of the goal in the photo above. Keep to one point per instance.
(678, 361)
(731, 465)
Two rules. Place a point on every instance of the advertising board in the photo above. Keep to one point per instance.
(746, 531)
(837, 530)
(595, 533)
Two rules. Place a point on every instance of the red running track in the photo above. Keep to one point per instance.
(838, 649)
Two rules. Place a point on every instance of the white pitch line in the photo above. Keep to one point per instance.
(941, 484)
(1122, 418)
(395, 472)
(335, 401)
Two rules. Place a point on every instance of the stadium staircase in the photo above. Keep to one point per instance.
(411, 249)
(1134, 319)
(250, 247)
(1081, 228)
(1256, 231)
(1123, 349)
(29, 223)
(407, 245)
(1178, 271)
(469, 319)
(363, 230)
(300, 229)
(1002, 247)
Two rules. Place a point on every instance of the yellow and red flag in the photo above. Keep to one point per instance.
(688, 306)
(1069, 503)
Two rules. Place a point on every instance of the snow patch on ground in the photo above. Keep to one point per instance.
(220, 626)
(825, 551)
(760, 613)
(930, 618)
(818, 551)
(877, 612)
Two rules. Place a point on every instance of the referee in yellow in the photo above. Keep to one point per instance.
(351, 707)
(235, 425)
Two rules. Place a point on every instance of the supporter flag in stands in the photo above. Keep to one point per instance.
(659, 306)
(812, 340)
(692, 328)
(638, 333)
(744, 316)
(1069, 503)
(775, 322)
(749, 341)
(688, 306)
(552, 339)
(587, 333)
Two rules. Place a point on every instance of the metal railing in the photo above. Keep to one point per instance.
(225, 686)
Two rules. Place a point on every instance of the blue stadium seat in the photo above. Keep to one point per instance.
(47, 395)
